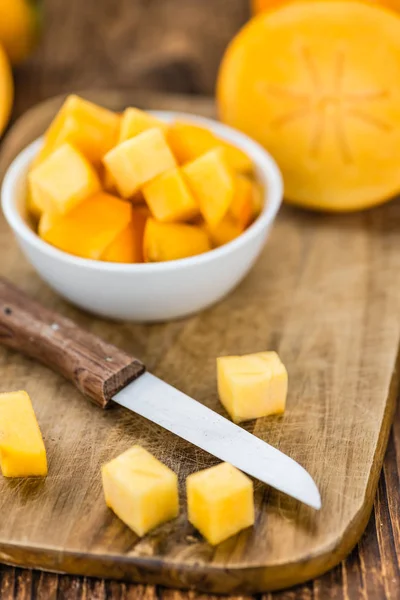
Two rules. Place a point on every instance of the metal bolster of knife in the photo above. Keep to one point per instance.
(98, 369)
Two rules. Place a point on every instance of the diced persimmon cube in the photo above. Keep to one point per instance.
(127, 247)
(279, 382)
(237, 159)
(220, 502)
(138, 160)
(67, 131)
(22, 451)
(252, 386)
(224, 232)
(189, 141)
(63, 180)
(172, 241)
(91, 128)
(257, 198)
(248, 200)
(135, 121)
(109, 186)
(138, 199)
(107, 180)
(143, 209)
(169, 197)
(141, 490)
(245, 207)
(242, 206)
(46, 222)
(33, 207)
(124, 249)
(89, 228)
(212, 183)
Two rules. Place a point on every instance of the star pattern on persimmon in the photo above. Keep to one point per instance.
(320, 101)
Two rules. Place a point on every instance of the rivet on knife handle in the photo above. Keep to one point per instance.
(99, 370)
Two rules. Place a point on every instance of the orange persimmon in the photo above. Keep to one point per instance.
(6, 90)
(296, 79)
(20, 27)
(258, 6)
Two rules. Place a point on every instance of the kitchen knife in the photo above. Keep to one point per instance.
(105, 373)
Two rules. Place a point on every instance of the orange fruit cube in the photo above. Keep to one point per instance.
(109, 186)
(237, 159)
(252, 386)
(46, 222)
(107, 180)
(138, 160)
(212, 183)
(172, 241)
(257, 198)
(135, 121)
(242, 207)
(127, 247)
(169, 198)
(226, 231)
(245, 207)
(189, 141)
(140, 490)
(220, 502)
(63, 180)
(34, 209)
(143, 209)
(22, 451)
(89, 228)
(91, 128)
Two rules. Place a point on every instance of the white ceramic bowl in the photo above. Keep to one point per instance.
(155, 291)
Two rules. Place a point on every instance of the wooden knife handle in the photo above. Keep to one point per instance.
(99, 370)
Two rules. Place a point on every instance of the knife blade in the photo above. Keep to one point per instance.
(104, 373)
(163, 404)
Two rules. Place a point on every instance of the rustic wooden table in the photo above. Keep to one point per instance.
(104, 43)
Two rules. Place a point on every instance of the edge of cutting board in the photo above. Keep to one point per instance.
(203, 577)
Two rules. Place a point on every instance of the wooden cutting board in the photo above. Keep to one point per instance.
(325, 294)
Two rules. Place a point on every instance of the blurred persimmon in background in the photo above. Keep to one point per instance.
(19, 27)
(6, 90)
(264, 5)
(19, 32)
(317, 83)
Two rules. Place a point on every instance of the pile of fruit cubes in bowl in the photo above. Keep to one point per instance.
(130, 188)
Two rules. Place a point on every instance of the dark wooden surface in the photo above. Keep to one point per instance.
(83, 46)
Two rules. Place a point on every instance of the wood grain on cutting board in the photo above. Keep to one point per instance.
(325, 294)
